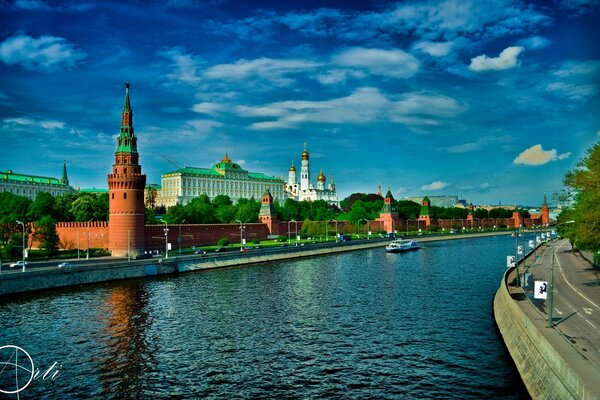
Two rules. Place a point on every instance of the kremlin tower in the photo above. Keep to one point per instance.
(126, 186)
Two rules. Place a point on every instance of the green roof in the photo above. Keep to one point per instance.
(92, 190)
(11, 176)
(219, 169)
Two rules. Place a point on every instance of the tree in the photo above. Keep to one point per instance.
(585, 182)
(43, 205)
(45, 234)
(82, 208)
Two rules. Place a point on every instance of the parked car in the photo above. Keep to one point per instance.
(65, 265)
(18, 264)
(220, 249)
(143, 256)
(200, 251)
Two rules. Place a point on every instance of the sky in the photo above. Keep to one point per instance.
(492, 101)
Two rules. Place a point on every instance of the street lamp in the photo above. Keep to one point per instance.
(551, 300)
(241, 234)
(359, 221)
(336, 231)
(166, 238)
(87, 255)
(23, 225)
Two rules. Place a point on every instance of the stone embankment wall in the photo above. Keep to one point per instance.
(545, 373)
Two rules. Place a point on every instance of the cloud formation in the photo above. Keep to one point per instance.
(506, 60)
(47, 53)
(393, 63)
(437, 185)
(536, 155)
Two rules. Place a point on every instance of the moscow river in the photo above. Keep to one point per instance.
(357, 325)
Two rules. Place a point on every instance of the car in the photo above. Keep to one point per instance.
(19, 264)
(65, 265)
(143, 256)
(200, 251)
(220, 249)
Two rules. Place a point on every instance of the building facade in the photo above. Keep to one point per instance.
(126, 183)
(305, 190)
(30, 185)
(224, 178)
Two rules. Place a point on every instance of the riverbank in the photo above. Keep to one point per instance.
(52, 277)
(549, 364)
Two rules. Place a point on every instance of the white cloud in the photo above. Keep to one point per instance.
(186, 65)
(268, 69)
(464, 148)
(536, 155)
(48, 53)
(535, 42)
(507, 59)
(575, 80)
(364, 105)
(598, 134)
(434, 49)
(41, 124)
(437, 185)
(392, 63)
(208, 108)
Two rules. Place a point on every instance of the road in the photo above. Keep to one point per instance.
(576, 306)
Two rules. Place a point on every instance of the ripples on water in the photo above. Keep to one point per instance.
(357, 325)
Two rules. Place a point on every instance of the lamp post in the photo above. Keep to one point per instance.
(336, 231)
(87, 255)
(166, 238)
(359, 221)
(241, 234)
(23, 225)
(551, 299)
(180, 238)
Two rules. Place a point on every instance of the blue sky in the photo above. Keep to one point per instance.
(493, 101)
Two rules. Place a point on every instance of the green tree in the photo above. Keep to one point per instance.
(43, 205)
(82, 208)
(585, 183)
(247, 210)
(45, 234)
(199, 211)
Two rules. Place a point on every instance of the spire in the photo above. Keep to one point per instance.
(545, 202)
(127, 142)
(65, 177)
(126, 104)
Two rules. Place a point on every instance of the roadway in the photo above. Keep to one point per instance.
(576, 305)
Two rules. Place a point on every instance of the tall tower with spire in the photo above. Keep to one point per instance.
(65, 177)
(126, 185)
(545, 213)
(304, 171)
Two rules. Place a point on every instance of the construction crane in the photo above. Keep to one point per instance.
(172, 162)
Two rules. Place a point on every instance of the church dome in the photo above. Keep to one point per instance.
(292, 168)
(305, 153)
(321, 177)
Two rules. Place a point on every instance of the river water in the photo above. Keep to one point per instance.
(358, 325)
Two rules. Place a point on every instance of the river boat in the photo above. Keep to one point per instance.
(401, 245)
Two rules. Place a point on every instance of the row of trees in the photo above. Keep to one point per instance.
(583, 193)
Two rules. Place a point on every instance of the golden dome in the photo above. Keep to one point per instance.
(305, 153)
(321, 177)
(292, 168)
(226, 159)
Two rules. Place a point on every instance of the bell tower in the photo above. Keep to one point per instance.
(126, 185)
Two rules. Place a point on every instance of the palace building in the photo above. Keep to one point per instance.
(30, 185)
(224, 178)
(306, 190)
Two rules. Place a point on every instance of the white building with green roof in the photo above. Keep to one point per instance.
(224, 178)
(30, 185)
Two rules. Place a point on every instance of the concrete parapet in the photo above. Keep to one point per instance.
(537, 355)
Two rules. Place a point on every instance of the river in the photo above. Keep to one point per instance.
(356, 325)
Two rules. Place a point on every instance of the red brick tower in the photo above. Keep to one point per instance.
(424, 215)
(545, 213)
(388, 214)
(267, 214)
(470, 216)
(126, 186)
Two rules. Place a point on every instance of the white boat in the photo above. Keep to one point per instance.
(400, 245)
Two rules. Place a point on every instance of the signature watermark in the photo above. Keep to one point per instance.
(18, 371)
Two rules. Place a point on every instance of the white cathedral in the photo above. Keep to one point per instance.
(306, 190)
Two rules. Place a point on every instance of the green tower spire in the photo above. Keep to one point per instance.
(65, 178)
(127, 142)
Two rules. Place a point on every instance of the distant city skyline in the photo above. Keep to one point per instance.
(490, 101)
